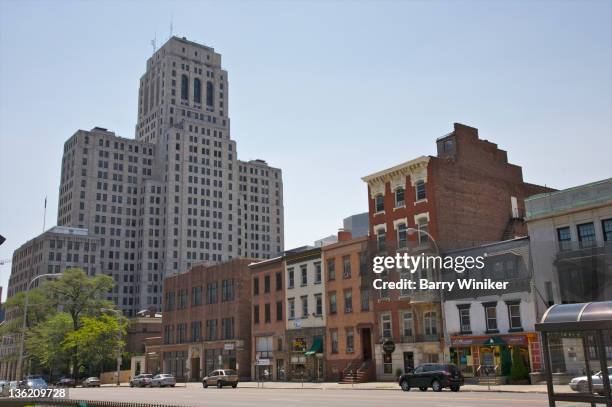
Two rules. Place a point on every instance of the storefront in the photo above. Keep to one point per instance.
(492, 354)
(306, 359)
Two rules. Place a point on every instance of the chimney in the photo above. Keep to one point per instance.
(344, 235)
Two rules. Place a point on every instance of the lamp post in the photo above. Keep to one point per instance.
(444, 333)
(119, 359)
(25, 318)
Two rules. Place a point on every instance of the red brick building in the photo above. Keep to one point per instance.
(465, 195)
(268, 355)
(207, 320)
(350, 314)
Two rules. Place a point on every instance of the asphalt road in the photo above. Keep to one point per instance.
(197, 396)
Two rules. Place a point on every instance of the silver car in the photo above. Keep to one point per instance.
(163, 380)
(581, 383)
(220, 378)
(91, 382)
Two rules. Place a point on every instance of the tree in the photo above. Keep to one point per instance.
(39, 309)
(44, 341)
(96, 340)
(79, 295)
(518, 371)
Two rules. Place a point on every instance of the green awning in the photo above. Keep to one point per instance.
(317, 347)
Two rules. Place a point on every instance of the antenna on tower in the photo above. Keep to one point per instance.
(45, 215)
(154, 43)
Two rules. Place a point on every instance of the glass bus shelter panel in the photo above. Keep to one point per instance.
(574, 362)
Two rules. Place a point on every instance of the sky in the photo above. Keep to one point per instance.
(327, 91)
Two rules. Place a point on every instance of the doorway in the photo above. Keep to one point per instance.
(366, 343)
(195, 368)
(408, 361)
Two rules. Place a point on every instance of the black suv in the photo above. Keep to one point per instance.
(434, 375)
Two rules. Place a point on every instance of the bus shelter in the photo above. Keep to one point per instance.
(577, 350)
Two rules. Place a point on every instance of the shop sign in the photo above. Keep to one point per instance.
(263, 362)
(389, 346)
(228, 346)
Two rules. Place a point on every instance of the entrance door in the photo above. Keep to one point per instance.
(366, 343)
(195, 368)
(408, 361)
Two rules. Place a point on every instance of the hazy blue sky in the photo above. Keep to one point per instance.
(327, 91)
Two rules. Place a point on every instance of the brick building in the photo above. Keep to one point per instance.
(466, 195)
(207, 320)
(268, 322)
(350, 315)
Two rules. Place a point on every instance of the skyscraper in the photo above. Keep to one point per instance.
(177, 194)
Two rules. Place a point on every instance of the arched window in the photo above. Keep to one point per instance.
(431, 324)
(209, 94)
(184, 87)
(197, 91)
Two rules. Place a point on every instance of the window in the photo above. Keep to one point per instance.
(420, 190)
(279, 281)
(402, 236)
(407, 324)
(491, 316)
(381, 240)
(279, 310)
(332, 303)
(318, 304)
(255, 285)
(564, 237)
(255, 314)
(449, 145)
(465, 323)
(380, 203)
(348, 301)
(304, 275)
(304, 306)
(197, 91)
(331, 269)
(317, 273)
(227, 290)
(365, 299)
(291, 305)
(586, 235)
(350, 340)
(211, 293)
(399, 197)
(209, 94)
(422, 224)
(184, 87)
(196, 296)
(346, 267)
(606, 228)
(333, 334)
(430, 323)
(267, 284)
(550, 298)
(227, 326)
(514, 315)
(267, 313)
(385, 326)
(291, 278)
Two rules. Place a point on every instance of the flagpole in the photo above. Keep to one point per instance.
(45, 214)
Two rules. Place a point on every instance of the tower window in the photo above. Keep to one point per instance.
(184, 87)
(197, 91)
(209, 94)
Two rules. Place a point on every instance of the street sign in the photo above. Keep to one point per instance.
(263, 362)
(297, 323)
(389, 346)
(228, 346)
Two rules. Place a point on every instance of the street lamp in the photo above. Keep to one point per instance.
(444, 333)
(119, 359)
(25, 317)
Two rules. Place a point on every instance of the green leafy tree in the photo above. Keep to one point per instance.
(39, 309)
(44, 341)
(518, 371)
(96, 340)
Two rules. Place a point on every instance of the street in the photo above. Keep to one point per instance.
(195, 395)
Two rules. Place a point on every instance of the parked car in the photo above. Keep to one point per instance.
(163, 380)
(142, 380)
(434, 375)
(220, 378)
(91, 382)
(35, 382)
(65, 382)
(7, 387)
(581, 383)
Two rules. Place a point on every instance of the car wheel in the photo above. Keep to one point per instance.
(583, 387)
(423, 388)
(404, 385)
(234, 385)
(455, 387)
(171, 385)
(219, 384)
(436, 386)
(204, 384)
(131, 384)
